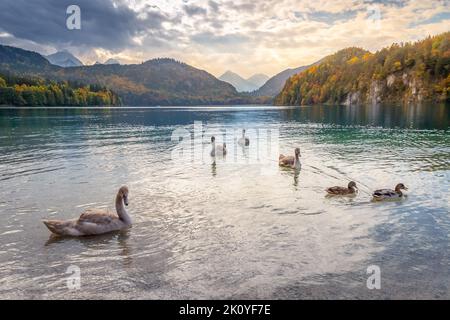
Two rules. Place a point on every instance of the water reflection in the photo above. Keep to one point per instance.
(119, 238)
(420, 116)
(224, 228)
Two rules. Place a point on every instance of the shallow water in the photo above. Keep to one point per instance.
(238, 227)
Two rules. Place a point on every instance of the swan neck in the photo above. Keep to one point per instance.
(121, 211)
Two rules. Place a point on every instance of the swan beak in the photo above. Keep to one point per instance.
(125, 201)
(406, 188)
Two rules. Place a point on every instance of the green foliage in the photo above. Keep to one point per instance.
(401, 73)
(155, 82)
(39, 93)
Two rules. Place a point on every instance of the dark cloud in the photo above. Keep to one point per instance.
(193, 10)
(214, 6)
(103, 24)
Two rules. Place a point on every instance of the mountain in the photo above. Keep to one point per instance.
(64, 59)
(274, 85)
(258, 79)
(19, 61)
(155, 82)
(244, 85)
(236, 81)
(400, 74)
(112, 61)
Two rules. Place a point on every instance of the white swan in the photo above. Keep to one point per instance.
(290, 161)
(244, 141)
(218, 149)
(94, 221)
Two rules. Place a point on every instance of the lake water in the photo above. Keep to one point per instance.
(237, 227)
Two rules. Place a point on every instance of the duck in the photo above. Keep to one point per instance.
(383, 194)
(94, 221)
(351, 189)
(244, 141)
(220, 149)
(290, 161)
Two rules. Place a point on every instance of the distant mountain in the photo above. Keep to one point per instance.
(112, 61)
(236, 81)
(64, 59)
(399, 74)
(274, 85)
(244, 85)
(155, 82)
(258, 79)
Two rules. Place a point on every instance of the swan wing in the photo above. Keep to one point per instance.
(63, 228)
(98, 217)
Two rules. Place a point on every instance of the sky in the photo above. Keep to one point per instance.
(245, 36)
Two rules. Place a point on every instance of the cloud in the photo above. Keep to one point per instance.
(246, 36)
(106, 24)
(193, 10)
(214, 6)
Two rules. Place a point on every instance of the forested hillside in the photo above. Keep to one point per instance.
(402, 73)
(21, 91)
(155, 82)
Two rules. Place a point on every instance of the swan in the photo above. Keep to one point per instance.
(351, 189)
(244, 141)
(384, 194)
(94, 221)
(218, 149)
(290, 161)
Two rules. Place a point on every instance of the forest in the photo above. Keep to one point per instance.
(26, 91)
(401, 73)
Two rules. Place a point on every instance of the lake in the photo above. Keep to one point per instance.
(237, 227)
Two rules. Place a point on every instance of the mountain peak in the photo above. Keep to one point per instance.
(112, 61)
(64, 58)
(230, 73)
(244, 85)
(258, 79)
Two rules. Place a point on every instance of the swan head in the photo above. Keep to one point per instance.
(297, 152)
(352, 185)
(123, 193)
(243, 132)
(400, 186)
(213, 139)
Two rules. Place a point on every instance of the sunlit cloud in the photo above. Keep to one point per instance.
(217, 35)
